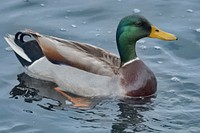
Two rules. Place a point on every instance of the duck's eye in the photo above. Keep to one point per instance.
(138, 23)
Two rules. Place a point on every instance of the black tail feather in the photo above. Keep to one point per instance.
(22, 37)
(17, 40)
(31, 48)
(19, 37)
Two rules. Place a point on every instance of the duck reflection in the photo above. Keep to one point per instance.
(46, 96)
(131, 117)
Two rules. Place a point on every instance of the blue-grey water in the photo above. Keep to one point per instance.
(31, 106)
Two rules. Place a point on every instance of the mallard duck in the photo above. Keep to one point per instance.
(87, 70)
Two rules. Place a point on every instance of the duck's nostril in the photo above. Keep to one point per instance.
(157, 30)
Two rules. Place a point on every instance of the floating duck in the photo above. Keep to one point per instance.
(86, 70)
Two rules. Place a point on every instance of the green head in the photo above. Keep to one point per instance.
(133, 28)
(130, 30)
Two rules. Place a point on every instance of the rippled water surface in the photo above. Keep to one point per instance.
(28, 105)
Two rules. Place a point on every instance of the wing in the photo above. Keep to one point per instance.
(79, 55)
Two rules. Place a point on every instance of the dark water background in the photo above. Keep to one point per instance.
(175, 64)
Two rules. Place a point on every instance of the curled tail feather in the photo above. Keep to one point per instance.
(10, 39)
(26, 51)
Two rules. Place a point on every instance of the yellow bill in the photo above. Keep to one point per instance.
(157, 33)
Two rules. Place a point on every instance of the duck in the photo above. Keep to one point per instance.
(87, 70)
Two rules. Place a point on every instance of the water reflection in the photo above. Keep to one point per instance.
(33, 90)
(131, 117)
(43, 92)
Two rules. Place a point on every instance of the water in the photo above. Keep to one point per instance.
(29, 107)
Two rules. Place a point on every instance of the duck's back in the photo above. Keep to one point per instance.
(59, 51)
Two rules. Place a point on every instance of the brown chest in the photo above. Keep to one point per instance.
(137, 79)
